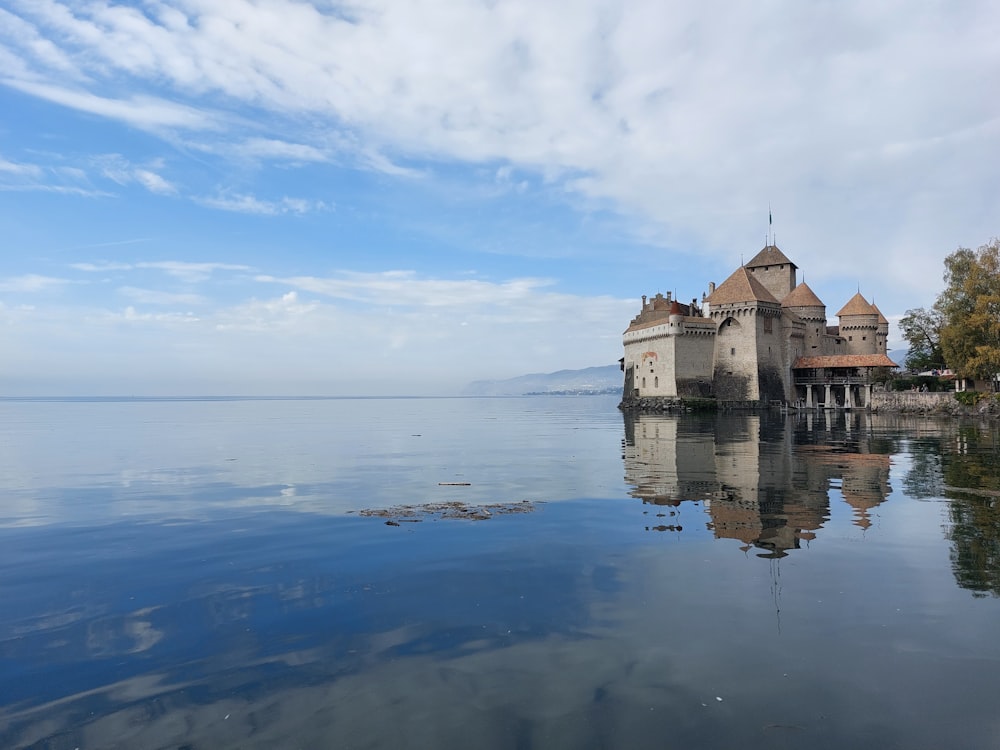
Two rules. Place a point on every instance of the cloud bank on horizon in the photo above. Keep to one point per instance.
(278, 196)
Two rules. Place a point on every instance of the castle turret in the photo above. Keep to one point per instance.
(676, 320)
(804, 303)
(859, 326)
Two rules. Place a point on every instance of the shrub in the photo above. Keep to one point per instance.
(969, 398)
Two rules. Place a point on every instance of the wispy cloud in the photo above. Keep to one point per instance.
(192, 272)
(120, 170)
(406, 288)
(184, 270)
(14, 168)
(248, 204)
(30, 283)
(275, 149)
(101, 267)
(160, 297)
(146, 112)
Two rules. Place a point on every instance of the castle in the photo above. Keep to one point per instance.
(760, 337)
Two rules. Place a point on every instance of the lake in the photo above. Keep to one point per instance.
(538, 572)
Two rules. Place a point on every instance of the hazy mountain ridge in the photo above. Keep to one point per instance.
(589, 380)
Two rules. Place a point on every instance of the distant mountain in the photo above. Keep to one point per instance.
(588, 381)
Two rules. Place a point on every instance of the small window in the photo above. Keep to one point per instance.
(864, 338)
(850, 338)
(644, 382)
(656, 382)
(732, 351)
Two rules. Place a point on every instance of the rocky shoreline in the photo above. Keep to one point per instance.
(888, 402)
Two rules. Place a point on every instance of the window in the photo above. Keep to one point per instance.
(864, 338)
(656, 382)
(732, 351)
(644, 382)
(850, 338)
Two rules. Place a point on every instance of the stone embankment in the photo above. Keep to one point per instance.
(913, 402)
(665, 404)
(944, 404)
(885, 402)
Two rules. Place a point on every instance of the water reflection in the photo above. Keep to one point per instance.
(962, 462)
(218, 617)
(763, 479)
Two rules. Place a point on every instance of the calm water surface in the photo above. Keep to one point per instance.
(204, 574)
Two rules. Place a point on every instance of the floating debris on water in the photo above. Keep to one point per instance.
(454, 509)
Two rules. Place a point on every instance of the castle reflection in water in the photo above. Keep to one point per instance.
(764, 479)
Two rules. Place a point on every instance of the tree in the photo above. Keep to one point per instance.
(922, 330)
(970, 308)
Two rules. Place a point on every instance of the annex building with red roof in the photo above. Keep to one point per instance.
(759, 337)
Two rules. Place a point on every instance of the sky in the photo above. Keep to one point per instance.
(277, 197)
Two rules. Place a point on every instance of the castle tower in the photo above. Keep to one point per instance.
(803, 302)
(748, 345)
(859, 326)
(774, 270)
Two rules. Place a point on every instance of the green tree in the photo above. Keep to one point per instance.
(970, 309)
(922, 330)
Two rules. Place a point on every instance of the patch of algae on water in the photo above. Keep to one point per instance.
(453, 509)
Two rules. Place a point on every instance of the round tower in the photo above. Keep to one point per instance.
(804, 303)
(859, 326)
(676, 320)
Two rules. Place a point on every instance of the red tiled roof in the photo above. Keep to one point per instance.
(843, 360)
(802, 296)
(881, 318)
(856, 305)
(741, 286)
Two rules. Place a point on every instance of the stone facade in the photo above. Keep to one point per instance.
(760, 337)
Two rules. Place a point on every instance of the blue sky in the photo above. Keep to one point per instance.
(284, 197)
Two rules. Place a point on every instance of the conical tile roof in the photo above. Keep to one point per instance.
(881, 318)
(856, 305)
(802, 296)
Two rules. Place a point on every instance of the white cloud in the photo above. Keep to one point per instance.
(159, 297)
(131, 315)
(248, 204)
(14, 168)
(395, 288)
(30, 283)
(191, 272)
(117, 168)
(684, 119)
(101, 267)
(274, 149)
(145, 112)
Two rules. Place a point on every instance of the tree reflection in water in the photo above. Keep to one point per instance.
(763, 478)
(768, 480)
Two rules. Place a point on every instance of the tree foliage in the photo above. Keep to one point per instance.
(970, 310)
(922, 330)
